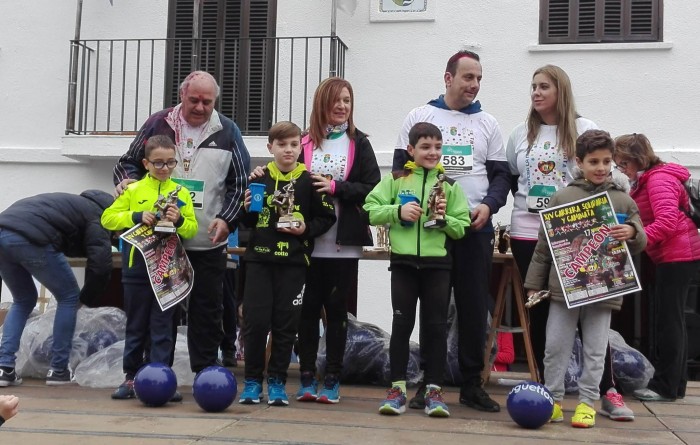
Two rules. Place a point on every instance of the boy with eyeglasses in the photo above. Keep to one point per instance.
(144, 317)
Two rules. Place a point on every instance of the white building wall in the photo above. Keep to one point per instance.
(393, 66)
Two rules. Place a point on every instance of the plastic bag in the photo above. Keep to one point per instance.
(631, 369)
(366, 358)
(104, 368)
(575, 366)
(95, 329)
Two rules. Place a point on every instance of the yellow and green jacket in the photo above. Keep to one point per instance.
(126, 212)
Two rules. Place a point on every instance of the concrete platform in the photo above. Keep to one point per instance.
(72, 415)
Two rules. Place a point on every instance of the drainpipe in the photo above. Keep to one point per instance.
(333, 69)
(73, 80)
(195, 34)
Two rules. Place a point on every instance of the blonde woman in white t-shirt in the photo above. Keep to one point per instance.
(541, 156)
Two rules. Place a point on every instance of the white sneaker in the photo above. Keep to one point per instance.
(614, 407)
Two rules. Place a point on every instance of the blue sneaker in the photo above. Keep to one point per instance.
(308, 390)
(330, 393)
(395, 402)
(252, 393)
(434, 405)
(276, 392)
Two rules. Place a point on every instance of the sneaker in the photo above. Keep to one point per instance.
(252, 392)
(418, 401)
(55, 378)
(228, 359)
(308, 389)
(475, 397)
(395, 402)
(276, 392)
(9, 378)
(614, 407)
(647, 395)
(557, 414)
(330, 393)
(584, 416)
(125, 391)
(177, 397)
(434, 405)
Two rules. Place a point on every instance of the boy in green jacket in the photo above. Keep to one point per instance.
(420, 260)
(144, 317)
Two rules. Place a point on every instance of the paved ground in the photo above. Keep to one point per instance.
(84, 416)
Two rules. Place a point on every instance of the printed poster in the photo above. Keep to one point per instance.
(169, 269)
(592, 266)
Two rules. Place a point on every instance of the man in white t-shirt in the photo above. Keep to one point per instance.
(473, 155)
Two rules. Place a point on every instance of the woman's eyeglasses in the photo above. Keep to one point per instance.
(160, 164)
(622, 165)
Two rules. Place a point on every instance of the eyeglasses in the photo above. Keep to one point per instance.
(622, 165)
(160, 164)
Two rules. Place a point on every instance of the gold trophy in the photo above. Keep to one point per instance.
(437, 193)
(163, 225)
(284, 201)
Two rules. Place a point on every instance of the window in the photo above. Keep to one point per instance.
(601, 21)
(235, 47)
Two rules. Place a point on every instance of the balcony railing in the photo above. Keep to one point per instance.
(114, 85)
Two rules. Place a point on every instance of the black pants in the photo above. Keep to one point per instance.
(670, 295)
(271, 304)
(432, 287)
(471, 277)
(328, 285)
(230, 315)
(205, 307)
(523, 251)
(145, 323)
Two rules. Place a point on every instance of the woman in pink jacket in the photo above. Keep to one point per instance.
(674, 247)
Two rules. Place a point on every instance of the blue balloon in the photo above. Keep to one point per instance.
(155, 384)
(214, 388)
(530, 404)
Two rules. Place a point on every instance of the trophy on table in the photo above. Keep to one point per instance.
(161, 205)
(437, 193)
(284, 202)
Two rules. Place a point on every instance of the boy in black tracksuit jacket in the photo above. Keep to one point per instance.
(276, 262)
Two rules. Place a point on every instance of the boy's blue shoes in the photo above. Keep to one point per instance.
(252, 392)
(434, 404)
(395, 402)
(330, 393)
(276, 392)
(308, 391)
(124, 391)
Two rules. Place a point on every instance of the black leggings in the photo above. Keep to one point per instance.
(432, 287)
(328, 285)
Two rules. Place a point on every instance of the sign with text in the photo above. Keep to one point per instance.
(592, 266)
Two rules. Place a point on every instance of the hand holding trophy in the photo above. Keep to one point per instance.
(284, 202)
(164, 225)
(436, 211)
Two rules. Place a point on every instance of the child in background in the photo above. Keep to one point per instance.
(275, 262)
(144, 317)
(594, 155)
(420, 263)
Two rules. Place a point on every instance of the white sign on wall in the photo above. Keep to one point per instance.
(402, 10)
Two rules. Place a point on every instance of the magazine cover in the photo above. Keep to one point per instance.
(592, 266)
(169, 269)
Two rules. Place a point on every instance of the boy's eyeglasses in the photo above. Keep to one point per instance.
(160, 164)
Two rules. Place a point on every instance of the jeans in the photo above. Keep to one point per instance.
(20, 260)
